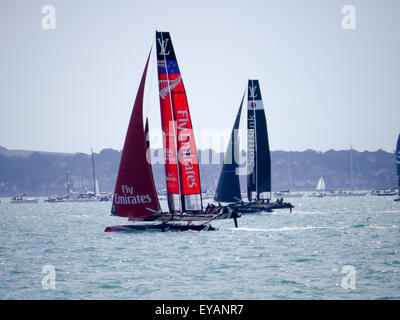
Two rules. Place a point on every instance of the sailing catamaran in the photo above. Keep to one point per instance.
(135, 195)
(287, 193)
(398, 167)
(351, 192)
(258, 161)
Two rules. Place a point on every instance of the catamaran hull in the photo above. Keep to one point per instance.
(260, 207)
(178, 222)
(160, 227)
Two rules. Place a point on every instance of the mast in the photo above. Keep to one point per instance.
(289, 173)
(94, 174)
(398, 163)
(68, 186)
(351, 168)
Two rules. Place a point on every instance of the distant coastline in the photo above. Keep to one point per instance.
(44, 173)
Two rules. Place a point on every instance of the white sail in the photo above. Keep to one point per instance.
(321, 184)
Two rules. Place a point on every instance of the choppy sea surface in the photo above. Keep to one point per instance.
(328, 248)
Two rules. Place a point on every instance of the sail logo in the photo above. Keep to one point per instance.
(187, 157)
(168, 85)
(252, 92)
(349, 280)
(251, 144)
(163, 47)
(128, 197)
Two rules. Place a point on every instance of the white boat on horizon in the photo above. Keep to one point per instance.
(342, 193)
(288, 194)
(321, 189)
(22, 198)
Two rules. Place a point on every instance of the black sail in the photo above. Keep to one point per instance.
(398, 162)
(258, 153)
(228, 188)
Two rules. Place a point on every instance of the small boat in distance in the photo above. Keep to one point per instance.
(384, 193)
(342, 193)
(22, 198)
(86, 196)
(321, 189)
(135, 196)
(288, 194)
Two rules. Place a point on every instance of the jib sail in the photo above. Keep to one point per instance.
(228, 188)
(135, 195)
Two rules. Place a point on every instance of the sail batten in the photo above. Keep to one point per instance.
(135, 191)
(228, 188)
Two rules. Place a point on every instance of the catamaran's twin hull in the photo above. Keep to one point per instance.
(177, 222)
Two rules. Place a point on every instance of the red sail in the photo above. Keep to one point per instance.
(135, 194)
(183, 178)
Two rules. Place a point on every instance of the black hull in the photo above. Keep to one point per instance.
(256, 207)
(163, 227)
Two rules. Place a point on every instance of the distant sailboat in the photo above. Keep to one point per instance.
(398, 167)
(351, 192)
(288, 193)
(22, 198)
(135, 195)
(321, 185)
(258, 161)
(321, 188)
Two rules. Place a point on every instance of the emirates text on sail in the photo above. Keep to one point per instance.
(184, 136)
(131, 198)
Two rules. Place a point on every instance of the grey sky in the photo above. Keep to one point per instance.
(324, 87)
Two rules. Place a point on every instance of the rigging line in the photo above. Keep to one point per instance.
(147, 108)
(151, 81)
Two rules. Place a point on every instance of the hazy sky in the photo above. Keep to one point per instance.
(324, 87)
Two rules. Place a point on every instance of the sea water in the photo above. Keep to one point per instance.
(328, 248)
